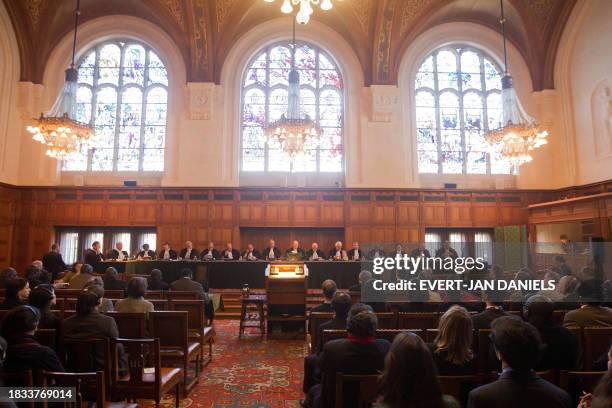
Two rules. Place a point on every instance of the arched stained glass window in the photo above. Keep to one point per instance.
(264, 100)
(123, 91)
(458, 99)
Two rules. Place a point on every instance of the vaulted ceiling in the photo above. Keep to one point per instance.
(378, 30)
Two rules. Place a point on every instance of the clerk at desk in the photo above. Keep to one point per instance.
(189, 252)
(229, 253)
(250, 254)
(295, 252)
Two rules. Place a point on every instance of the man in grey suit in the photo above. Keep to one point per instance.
(187, 284)
(591, 312)
(80, 279)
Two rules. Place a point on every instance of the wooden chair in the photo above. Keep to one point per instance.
(458, 386)
(46, 337)
(430, 335)
(483, 355)
(575, 382)
(155, 294)
(114, 294)
(316, 318)
(390, 334)
(93, 381)
(130, 325)
(198, 330)
(142, 382)
(417, 320)
(21, 379)
(159, 304)
(596, 342)
(333, 334)
(558, 316)
(387, 320)
(68, 313)
(79, 356)
(368, 389)
(183, 294)
(172, 330)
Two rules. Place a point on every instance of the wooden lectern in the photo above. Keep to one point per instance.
(286, 288)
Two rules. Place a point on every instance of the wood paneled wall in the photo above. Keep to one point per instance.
(28, 215)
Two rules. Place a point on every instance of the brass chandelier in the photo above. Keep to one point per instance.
(520, 133)
(293, 133)
(303, 15)
(58, 129)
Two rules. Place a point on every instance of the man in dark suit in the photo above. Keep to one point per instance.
(118, 253)
(517, 345)
(446, 251)
(272, 253)
(420, 251)
(250, 254)
(53, 262)
(146, 252)
(492, 311)
(314, 253)
(329, 289)
(187, 284)
(591, 312)
(360, 353)
(295, 252)
(229, 253)
(355, 253)
(561, 346)
(93, 255)
(210, 253)
(166, 253)
(364, 276)
(189, 252)
(111, 280)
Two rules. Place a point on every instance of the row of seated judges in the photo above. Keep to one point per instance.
(409, 369)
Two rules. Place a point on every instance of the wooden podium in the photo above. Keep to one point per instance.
(286, 288)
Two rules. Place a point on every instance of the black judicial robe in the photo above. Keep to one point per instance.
(92, 258)
(194, 253)
(255, 253)
(310, 253)
(235, 254)
(214, 252)
(172, 254)
(114, 254)
(277, 253)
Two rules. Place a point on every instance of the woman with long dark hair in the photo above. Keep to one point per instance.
(409, 379)
(451, 350)
(17, 292)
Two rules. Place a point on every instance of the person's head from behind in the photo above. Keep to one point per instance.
(358, 308)
(18, 288)
(567, 284)
(156, 275)
(8, 273)
(95, 285)
(602, 395)
(42, 297)
(186, 273)
(55, 247)
(538, 310)
(517, 343)
(329, 288)
(111, 272)
(87, 269)
(137, 287)
(496, 272)
(22, 320)
(87, 302)
(362, 325)
(340, 304)
(37, 264)
(364, 276)
(551, 275)
(492, 297)
(455, 335)
(409, 378)
(590, 292)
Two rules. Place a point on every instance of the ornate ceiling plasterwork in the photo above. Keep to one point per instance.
(223, 8)
(542, 11)
(34, 7)
(411, 10)
(363, 12)
(174, 6)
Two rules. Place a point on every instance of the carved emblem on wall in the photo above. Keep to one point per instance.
(200, 100)
(384, 102)
(34, 7)
(601, 108)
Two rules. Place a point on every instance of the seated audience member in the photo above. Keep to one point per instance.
(43, 298)
(359, 353)
(111, 280)
(93, 255)
(6, 275)
(329, 289)
(295, 252)
(553, 295)
(420, 251)
(517, 345)
(271, 252)
(53, 262)
(156, 282)
(79, 280)
(88, 324)
(567, 292)
(560, 345)
(186, 283)
(210, 253)
(602, 395)
(189, 252)
(337, 253)
(167, 254)
(71, 273)
(409, 378)
(314, 253)
(495, 272)
(363, 277)
(376, 253)
(36, 275)
(23, 351)
(17, 293)
(560, 266)
(135, 302)
(229, 253)
(118, 252)
(591, 312)
(516, 298)
(451, 350)
(97, 286)
(250, 254)
(355, 253)
(146, 253)
(493, 310)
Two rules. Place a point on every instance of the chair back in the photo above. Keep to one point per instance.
(430, 335)
(159, 304)
(183, 294)
(458, 386)
(46, 337)
(171, 328)
(390, 334)
(144, 364)
(114, 294)
(21, 379)
(85, 385)
(130, 325)
(417, 320)
(155, 294)
(596, 342)
(316, 318)
(195, 312)
(387, 320)
(368, 389)
(80, 356)
(333, 334)
(484, 347)
(575, 382)
(558, 316)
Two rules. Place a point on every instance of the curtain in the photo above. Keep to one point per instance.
(483, 246)
(457, 240)
(433, 241)
(69, 246)
(123, 237)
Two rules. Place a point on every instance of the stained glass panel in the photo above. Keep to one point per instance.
(265, 100)
(114, 77)
(458, 98)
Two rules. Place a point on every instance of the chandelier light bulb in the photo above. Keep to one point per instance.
(302, 18)
(269, 1)
(326, 5)
(286, 7)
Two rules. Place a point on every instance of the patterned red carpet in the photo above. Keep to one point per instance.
(249, 373)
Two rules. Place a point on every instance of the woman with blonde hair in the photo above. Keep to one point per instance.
(451, 350)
